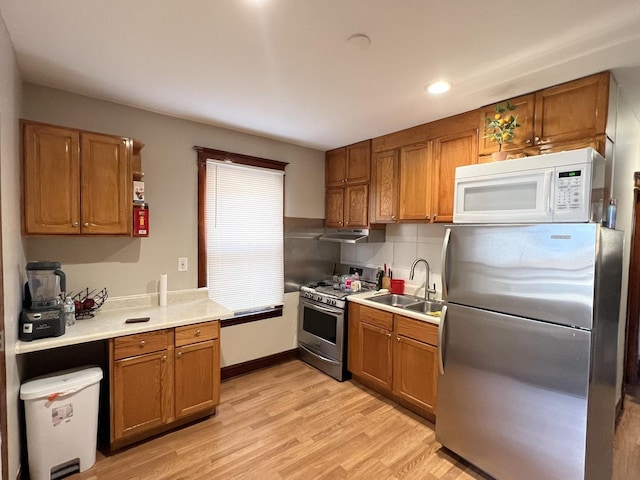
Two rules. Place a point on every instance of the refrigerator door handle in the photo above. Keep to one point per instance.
(443, 275)
(443, 316)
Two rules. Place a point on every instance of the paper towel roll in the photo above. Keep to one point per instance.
(163, 290)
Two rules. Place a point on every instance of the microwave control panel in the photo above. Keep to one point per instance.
(569, 190)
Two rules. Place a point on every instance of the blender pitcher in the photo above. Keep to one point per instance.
(46, 281)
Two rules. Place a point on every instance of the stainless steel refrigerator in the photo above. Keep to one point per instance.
(528, 345)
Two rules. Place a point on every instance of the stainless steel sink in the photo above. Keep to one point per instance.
(425, 306)
(394, 300)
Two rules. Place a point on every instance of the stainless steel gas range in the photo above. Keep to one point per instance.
(322, 324)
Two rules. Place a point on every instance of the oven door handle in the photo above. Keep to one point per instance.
(316, 354)
(332, 311)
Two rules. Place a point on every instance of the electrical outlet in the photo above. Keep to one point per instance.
(183, 264)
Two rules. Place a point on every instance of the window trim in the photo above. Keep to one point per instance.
(205, 154)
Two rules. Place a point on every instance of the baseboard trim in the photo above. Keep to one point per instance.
(256, 364)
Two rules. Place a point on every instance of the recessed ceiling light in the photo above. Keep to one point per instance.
(439, 87)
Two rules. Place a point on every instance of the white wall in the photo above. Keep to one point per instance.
(13, 260)
(626, 162)
(131, 266)
(404, 244)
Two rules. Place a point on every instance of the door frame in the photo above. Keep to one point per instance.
(631, 370)
(4, 444)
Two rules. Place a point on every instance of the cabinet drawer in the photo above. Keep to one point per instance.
(197, 333)
(417, 329)
(373, 316)
(139, 344)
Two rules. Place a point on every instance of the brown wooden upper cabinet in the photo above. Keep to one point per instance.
(347, 175)
(385, 172)
(416, 183)
(76, 182)
(348, 165)
(416, 167)
(572, 111)
(450, 152)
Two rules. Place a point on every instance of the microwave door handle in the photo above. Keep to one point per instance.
(548, 177)
(443, 270)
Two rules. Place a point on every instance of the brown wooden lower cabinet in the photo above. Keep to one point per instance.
(162, 379)
(396, 356)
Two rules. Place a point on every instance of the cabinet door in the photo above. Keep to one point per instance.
(359, 162)
(141, 397)
(51, 172)
(524, 114)
(197, 377)
(572, 111)
(450, 152)
(415, 372)
(384, 187)
(415, 182)
(376, 351)
(335, 167)
(356, 211)
(106, 184)
(334, 207)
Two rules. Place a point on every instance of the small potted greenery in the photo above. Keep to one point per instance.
(501, 128)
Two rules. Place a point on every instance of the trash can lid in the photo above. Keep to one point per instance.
(59, 382)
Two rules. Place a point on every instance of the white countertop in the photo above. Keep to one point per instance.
(183, 308)
(361, 298)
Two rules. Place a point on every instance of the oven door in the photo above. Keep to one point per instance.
(321, 328)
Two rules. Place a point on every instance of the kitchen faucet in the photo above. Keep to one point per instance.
(427, 290)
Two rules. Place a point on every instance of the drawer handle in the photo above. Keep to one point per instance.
(198, 333)
(141, 343)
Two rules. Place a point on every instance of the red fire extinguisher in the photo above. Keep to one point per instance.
(141, 221)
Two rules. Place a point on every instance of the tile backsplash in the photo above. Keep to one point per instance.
(404, 244)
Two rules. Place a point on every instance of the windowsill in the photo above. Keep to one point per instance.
(252, 316)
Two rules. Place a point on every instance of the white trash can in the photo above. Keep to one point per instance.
(61, 412)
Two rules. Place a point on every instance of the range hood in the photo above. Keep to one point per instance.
(354, 235)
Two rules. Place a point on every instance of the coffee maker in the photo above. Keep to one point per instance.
(42, 314)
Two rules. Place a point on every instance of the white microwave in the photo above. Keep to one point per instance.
(564, 187)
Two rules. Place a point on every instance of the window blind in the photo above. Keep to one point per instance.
(244, 224)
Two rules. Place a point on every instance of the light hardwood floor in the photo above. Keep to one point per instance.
(292, 422)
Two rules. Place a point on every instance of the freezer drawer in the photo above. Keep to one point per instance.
(513, 396)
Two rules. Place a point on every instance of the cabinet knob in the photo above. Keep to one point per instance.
(536, 139)
(75, 224)
(388, 335)
(179, 355)
(141, 343)
(427, 217)
(435, 216)
(397, 339)
(393, 217)
(197, 333)
(528, 140)
(164, 358)
(86, 224)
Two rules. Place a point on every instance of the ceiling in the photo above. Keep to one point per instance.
(285, 69)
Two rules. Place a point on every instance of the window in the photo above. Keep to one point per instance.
(241, 230)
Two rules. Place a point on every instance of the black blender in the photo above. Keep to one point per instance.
(42, 314)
